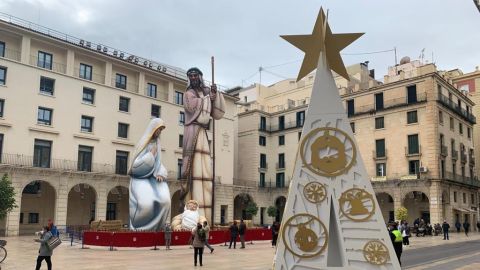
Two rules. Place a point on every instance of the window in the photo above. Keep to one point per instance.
(380, 148)
(21, 218)
(280, 183)
(262, 140)
(121, 162)
(460, 128)
(124, 104)
(47, 85)
(464, 197)
(379, 123)
(179, 168)
(2, 49)
(281, 161)
(152, 90)
(85, 72)
(121, 81)
(454, 196)
(87, 124)
(88, 95)
(180, 140)
(263, 123)
(281, 122)
(412, 94)
(452, 125)
(3, 75)
(263, 161)
(281, 140)
(122, 130)
(469, 133)
(381, 169)
(85, 154)
(472, 198)
(178, 98)
(440, 117)
(262, 180)
(181, 119)
(155, 111)
(2, 107)
(413, 147)
(412, 117)
(111, 211)
(300, 118)
(350, 107)
(33, 218)
(413, 166)
(379, 101)
(44, 60)
(462, 170)
(352, 125)
(1, 147)
(44, 116)
(299, 135)
(41, 153)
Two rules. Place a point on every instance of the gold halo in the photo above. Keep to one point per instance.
(313, 193)
(342, 197)
(319, 172)
(286, 224)
(379, 255)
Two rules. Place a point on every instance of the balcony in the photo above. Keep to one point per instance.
(263, 168)
(379, 155)
(468, 116)
(463, 157)
(262, 185)
(444, 151)
(462, 179)
(53, 66)
(387, 105)
(12, 54)
(280, 166)
(471, 158)
(98, 78)
(412, 152)
(454, 154)
(275, 128)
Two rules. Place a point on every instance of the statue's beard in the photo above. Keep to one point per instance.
(195, 83)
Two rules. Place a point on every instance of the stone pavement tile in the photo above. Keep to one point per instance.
(457, 262)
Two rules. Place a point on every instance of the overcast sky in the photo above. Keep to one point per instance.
(244, 34)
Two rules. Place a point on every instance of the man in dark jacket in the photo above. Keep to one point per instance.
(397, 240)
(242, 229)
(233, 234)
(445, 228)
(466, 227)
(458, 225)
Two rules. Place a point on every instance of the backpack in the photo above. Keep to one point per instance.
(202, 235)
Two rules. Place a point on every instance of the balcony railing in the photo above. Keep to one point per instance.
(462, 179)
(129, 86)
(444, 150)
(280, 166)
(98, 78)
(388, 104)
(468, 116)
(265, 184)
(463, 158)
(454, 154)
(275, 128)
(471, 158)
(411, 152)
(263, 168)
(379, 155)
(55, 66)
(12, 55)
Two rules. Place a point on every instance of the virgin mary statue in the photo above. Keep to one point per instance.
(149, 193)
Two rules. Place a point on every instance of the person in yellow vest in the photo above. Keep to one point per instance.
(397, 239)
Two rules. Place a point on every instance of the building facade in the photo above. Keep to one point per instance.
(414, 132)
(71, 112)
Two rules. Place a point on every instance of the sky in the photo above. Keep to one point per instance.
(244, 35)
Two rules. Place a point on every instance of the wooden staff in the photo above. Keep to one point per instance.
(213, 151)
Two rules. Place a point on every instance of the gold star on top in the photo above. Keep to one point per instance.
(322, 39)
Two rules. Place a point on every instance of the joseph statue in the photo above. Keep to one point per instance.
(201, 103)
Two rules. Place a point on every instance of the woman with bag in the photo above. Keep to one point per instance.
(44, 253)
(199, 239)
(406, 233)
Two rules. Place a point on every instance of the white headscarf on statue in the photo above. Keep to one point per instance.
(154, 124)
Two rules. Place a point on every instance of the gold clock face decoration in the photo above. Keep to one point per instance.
(328, 151)
(304, 235)
(357, 204)
(315, 192)
(375, 252)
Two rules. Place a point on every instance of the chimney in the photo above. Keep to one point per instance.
(372, 73)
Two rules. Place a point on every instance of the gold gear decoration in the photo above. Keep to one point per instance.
(305, 238)
(315, 192)
(357, 198)
(331, 165)
(375, 252)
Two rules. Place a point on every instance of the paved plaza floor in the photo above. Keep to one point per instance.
(22, 253)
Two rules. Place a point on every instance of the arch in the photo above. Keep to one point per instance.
(240, 204)
(117, 204)
(386, 203)
(81, 204)
(417, 204)
(37, 206)
(177, 205)
(280, 202)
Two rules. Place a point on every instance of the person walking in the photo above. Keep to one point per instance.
(397, 240)
(44, 253)
(275, 230)
(445, 228)
(458, 226)
(168, 236)
(207, 230)
(233, 234)
(406, 233)
(199, 238)
(466, 227)
(478, 225)
(242, 229)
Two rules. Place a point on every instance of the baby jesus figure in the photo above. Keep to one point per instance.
(189, 218)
